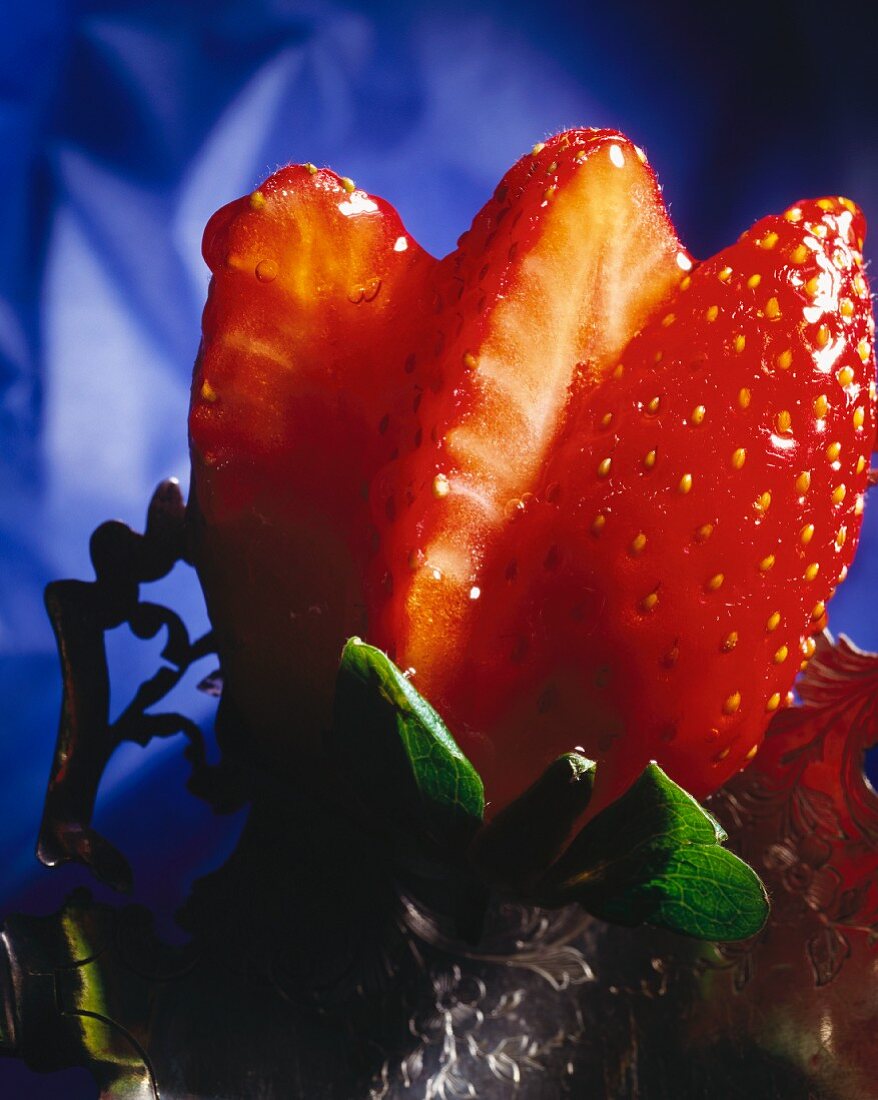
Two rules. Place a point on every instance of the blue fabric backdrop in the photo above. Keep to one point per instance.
(125, 123)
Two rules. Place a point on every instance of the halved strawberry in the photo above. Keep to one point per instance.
(288, 423)
(608, 495)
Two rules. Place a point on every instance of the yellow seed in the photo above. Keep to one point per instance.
(208, 392)
(794, 214)
(732, 703)
(766, 563)
(842, 574)
(722, 755)
(715, 582)
(348, 184)
(769, 240)
(604, 467)
(822, 337)
(257, 200)
(833, 451)
(441, 486)
(653, 407)
(859, 506)
(838, 494)
(606, 420)
(312, 168)
(730, 641)
(818, 610)
(580, 155)
(806, 534)
(685, 484)
(781, 655)
(799, 254)
(470, 361)
(539, 147)
(773, 702)
(773, 622)
(618, 371)
(784, 421)
(685, 282)
(861, 464)
(659, 355)
(826, 204)
(712, 313)
(725, 275)
(668, 320)
(772, 309)
(598, 523)
(803, 482)
(819, 231)
(649, 602)
(638, 543)
(785, 359)
(697, 415)
(821, 406)
(740, 342)
(846, 307)
(763, 502)
(739, 457)
(812, 571)
(860, 285)
(812, 286)
(641, 156)
(809, 647)
(754, 281)
(751, 753)
(549, 193)
(859, 416)
(553, 167)
(649, 460)
(704, 532)
(841, 537)
(744, 398)
(863, 351)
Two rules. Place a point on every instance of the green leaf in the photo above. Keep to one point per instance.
(654, 857)
(398, 751)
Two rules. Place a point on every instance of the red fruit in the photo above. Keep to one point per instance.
(288, 424)
(611, 494)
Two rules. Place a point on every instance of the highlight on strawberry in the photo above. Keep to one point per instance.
(591, 494)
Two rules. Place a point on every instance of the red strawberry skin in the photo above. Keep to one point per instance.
(660, 590)
(594, 495)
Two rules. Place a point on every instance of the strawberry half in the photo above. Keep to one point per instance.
(594, 495)
(288, 424)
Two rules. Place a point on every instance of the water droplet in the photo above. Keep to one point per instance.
(266, 271)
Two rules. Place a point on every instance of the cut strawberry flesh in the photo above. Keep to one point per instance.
(559, 271)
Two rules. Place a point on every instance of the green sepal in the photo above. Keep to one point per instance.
(514, 850)
(397, 751)
(654, 857)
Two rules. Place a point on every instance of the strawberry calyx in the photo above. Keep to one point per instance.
(654, 856)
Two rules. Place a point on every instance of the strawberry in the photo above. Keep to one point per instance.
(288, 423)
(659, 592)
(593, 494)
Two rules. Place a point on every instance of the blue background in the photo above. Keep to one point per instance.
(124, 124)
